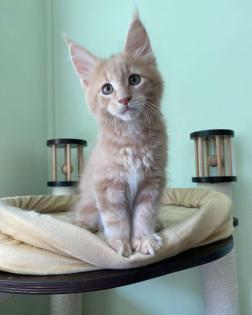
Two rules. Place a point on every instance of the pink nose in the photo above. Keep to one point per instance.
(125, 101)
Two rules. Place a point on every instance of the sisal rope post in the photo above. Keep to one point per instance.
(65, 304)
(220, 283)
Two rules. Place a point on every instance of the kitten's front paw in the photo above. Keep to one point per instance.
(121, 247)
(147, 244)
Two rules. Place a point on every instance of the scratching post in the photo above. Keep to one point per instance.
(220, 277)
(65, 304)
(65, 176)
(220, 286)
(214, 171)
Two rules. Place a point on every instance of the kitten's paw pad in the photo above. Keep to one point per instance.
(147, 245)
(121, 247)
(85, 226)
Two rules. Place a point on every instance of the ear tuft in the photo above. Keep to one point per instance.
(83, 61)
(66, 39)
(135, 14)
(137, 41)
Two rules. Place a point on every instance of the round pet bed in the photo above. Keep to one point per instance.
(38, 238)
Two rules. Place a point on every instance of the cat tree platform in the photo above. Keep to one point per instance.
(35, 258)
(107, 279)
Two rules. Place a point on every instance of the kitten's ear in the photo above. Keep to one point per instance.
(137, 41)
(83, 61)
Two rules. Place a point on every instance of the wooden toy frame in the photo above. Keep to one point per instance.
(213, 149)
(66, 168)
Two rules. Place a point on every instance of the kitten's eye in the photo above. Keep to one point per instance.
(107, 89)
(134, 79)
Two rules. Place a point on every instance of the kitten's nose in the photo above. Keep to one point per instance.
(125, 100)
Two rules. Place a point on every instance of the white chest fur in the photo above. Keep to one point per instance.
(135, 164)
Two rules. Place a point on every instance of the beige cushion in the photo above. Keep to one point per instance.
(37, 237)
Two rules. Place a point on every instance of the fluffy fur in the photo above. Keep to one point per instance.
(125, 175)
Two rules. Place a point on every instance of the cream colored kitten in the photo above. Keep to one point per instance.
(125, 175)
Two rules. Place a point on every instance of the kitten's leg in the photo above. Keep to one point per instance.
(86, 214)
(111, 197)
(144, 239)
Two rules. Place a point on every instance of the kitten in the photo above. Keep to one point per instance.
(125, 176)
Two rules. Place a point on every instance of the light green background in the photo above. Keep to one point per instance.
(204, 51)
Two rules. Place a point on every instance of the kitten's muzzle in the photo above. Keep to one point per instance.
(125, 101)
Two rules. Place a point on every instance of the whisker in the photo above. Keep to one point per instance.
(151, 103)
(152, 110)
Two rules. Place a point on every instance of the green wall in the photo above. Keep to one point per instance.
(204, 51)
(23, 128)
(23, 118)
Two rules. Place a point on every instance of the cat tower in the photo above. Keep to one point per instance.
(214, 171)
(66, 157)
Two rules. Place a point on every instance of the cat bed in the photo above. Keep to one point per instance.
(38, 238)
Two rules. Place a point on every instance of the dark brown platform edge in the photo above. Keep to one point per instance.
(107, 279)
(214, 179)
(62, 183)
(61, 142)
(212, 132)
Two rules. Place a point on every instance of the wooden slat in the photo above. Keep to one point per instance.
(201, 157)
(196, 157)
(68, 153)
(229, 157)
(80, 159)
(54, 163)
(65, 162)
(219, 153)
(207, 154)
